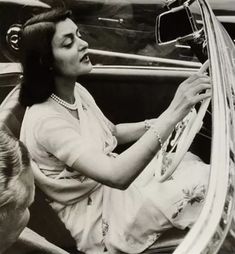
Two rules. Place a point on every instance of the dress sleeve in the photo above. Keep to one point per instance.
(61, 138)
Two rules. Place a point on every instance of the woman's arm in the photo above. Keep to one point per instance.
(120, 172)
(128, 132)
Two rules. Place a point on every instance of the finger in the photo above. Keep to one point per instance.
(199, 85)
(205, 79)
(200, 88)
(195, 77)
(201, 97)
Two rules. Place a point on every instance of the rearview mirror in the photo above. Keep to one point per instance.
(175, 24)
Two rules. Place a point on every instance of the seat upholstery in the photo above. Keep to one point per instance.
(43, 219)
(12, 113)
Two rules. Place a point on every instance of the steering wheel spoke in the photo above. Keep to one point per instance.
(177, 145)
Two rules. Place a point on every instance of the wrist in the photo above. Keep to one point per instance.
(165, 124)
(157, 135)
(147, 124)
(169, 118)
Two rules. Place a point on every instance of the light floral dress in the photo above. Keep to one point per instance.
(103, 219)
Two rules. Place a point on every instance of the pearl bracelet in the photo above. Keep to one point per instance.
(147, 125)
(154, 130)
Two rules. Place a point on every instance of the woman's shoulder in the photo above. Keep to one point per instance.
(42, 111)
(82, 92)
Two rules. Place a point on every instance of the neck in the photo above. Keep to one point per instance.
(65, 89)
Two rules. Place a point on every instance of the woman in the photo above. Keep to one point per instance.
(105, 200)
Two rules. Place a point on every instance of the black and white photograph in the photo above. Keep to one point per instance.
(117, 126)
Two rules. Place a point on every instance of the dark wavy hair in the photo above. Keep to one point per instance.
(36, 56)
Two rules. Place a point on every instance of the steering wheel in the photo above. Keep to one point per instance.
(178, 143)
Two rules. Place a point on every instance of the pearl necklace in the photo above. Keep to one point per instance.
(64, 103)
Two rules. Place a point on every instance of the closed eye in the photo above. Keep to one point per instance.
(68, 42)
(68, 45)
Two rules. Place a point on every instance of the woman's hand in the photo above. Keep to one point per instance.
(189, 93)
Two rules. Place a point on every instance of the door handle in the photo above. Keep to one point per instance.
(119, 21)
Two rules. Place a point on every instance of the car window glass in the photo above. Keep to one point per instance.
(125, 27)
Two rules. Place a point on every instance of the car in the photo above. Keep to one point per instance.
(135, 75)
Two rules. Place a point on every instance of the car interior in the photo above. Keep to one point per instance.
(124, 94)
(119, 93)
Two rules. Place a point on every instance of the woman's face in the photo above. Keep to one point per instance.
(69, 50)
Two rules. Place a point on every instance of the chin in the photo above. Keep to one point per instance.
(90, 67)
(86, 70)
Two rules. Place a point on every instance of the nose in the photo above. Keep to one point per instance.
(82, 44)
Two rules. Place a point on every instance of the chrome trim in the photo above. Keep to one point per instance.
(10, 68)
(184, 73)
(145, 68)
(13, 67)
(119, 21)
(227, 18)
(144, 58)
(182, 46)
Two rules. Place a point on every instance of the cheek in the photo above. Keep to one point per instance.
(23, 220)
(65, 61)
(15, 225)
(21, 223)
